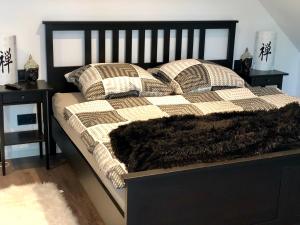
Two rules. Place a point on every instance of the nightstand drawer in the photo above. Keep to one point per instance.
(264, 81)
(22, 97)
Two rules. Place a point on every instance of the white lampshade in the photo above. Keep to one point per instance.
(264, 52)
(8, 59)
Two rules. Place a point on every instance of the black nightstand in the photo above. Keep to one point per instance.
(265, 78)
(31, 93)
(261, 78)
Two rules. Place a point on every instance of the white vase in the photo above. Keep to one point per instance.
(264, 52)
(8, 59)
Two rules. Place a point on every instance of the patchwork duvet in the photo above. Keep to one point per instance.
(94, 120)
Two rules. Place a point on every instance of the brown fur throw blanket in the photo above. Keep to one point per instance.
(183, 140)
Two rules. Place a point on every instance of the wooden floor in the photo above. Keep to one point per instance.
(31, 170)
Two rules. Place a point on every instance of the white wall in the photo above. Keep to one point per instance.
(286, 14)
(298, 83)
(23, 18)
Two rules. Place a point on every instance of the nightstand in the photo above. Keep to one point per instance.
(31, 93)
(265, 78)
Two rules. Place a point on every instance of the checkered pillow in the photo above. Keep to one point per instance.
(113, 80)
(192, 75)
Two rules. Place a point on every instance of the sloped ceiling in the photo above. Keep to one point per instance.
(287, 14)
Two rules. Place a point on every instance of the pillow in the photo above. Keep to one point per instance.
(112, 80)
(193, 75)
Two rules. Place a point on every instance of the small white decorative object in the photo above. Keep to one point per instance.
(264, 52)
(8, 59)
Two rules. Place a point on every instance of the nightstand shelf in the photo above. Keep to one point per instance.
(23, 137)
(31, 93)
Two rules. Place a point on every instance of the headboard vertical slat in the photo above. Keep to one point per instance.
(178, 44)
(202, 43)
(166, 56)
(154, 46)
(128, 46)
(230, 46)
(101, 40)
(55, 74)
(87, 47)
(49, 53)
(141, 53)
(190, 47)
(49, 48)
(115, 46)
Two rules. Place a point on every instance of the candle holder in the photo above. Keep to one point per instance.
(265, 47)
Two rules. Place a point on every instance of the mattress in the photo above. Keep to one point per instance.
(94, 120)
(62, 100)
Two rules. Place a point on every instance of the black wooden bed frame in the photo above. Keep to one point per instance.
(260, 190)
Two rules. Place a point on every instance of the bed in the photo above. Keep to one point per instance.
(253, 190)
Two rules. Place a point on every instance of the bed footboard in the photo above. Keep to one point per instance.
(261, 190)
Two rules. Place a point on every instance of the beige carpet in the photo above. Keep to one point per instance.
(34, 204)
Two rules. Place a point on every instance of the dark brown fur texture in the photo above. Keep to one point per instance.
(182, 140)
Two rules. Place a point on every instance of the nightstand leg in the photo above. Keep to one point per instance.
(46, 127)
(280, 84)
(2, 146)
(41, 149)
(39, 117)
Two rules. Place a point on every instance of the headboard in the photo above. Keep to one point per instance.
(55, 75)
